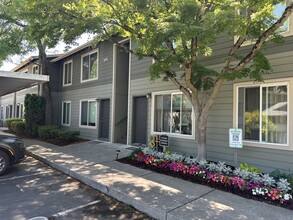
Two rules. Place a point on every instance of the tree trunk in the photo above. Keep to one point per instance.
(46, 86)
(49, 104)
(201, 139)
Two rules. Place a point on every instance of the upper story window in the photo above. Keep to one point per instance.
(285, 30)
(172, 114)
(67, 73)
(25, 71)
(89, 66)
(263, 112)
(36, 69)
(279, 9)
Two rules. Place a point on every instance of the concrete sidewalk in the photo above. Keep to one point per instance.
(160, 196)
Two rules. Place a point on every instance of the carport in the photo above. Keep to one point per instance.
(11, 82)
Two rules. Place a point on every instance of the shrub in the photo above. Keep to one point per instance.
(245, 166)
(277, 174)
(34, 113)
(18, 127)
(135, 152)
(55, 132)
(9, 121)
(68, 135)
(52, 131)
(47, 131)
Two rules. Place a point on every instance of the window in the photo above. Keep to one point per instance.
(67, 73)
(172, 113)
(88, 113)
(8, 113)
(19, 110)
(89, 66)
(262, 113)
(279, 9)
(285, 30)
(2, 112)
(66, 113)
(36, 69)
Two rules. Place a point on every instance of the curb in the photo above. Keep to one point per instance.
(110, 191)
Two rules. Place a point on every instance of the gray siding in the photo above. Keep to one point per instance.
(105, 72)
(221, 114)
(56, 97)
(96, 89)
(75, 96)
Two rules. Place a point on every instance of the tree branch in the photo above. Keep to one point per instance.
(170, 45)
(232, 53)
(110, 37)
(260, 41)
(179, 85)
(213, 95)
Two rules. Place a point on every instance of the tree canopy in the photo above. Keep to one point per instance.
(180, 36)
(29, 25)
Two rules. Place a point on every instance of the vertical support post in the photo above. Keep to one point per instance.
(14, 106)
(235, 157)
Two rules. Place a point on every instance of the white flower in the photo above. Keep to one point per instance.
(287, 196)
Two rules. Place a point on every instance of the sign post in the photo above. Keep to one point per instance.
(164, 142)
(235, 141)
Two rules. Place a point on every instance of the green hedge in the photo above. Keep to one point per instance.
(18, 127)
(35, 107)
(9, 121)
(52, 131)
(47, 131)
(68, 135)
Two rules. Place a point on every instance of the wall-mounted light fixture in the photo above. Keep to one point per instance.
(148, 96)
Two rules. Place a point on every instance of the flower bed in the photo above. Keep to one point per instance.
(250, 184)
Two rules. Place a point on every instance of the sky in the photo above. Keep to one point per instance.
(59, 49)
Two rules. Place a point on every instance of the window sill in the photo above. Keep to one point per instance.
(67, 125)
(174, 135)
(268, 145)
(65, 85)
(88, 80)
(89, 127)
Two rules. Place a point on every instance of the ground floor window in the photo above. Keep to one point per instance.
(66, 112)
(262, 112)
(8, 111)
(172, 113)
(19, 110)
(88, 113)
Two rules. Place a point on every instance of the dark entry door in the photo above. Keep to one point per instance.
(104, 118)
(140, 120)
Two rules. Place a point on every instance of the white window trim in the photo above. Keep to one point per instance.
(63, 113)
(81, 69)
(63, 83)
(19, 110)
(272, 82)
(24, 70)
(86, 126)
(174, 135)
(38, 69)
